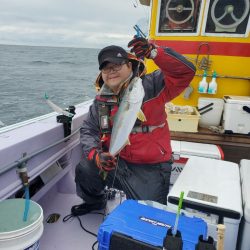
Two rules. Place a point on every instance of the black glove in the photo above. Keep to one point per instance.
(141, 47)
(104, 160)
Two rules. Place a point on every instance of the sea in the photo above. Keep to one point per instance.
(66, 75)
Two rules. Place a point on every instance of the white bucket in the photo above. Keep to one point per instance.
(210, 110)
(16, 234)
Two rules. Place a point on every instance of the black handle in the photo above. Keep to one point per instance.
(205, 111)
(247, 109)
(207, 106)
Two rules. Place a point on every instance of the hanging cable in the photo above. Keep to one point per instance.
(71, 216)
(93, 246)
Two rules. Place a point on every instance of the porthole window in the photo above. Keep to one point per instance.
(227, 17)
(179, 16)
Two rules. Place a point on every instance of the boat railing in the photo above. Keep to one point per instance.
(37, 145)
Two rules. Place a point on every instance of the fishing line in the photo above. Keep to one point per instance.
(145, 9)
(129, 77)
(132, 75)
(123, 83)
(116, 167)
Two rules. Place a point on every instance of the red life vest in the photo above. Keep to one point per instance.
(145, 147)
(160, 87)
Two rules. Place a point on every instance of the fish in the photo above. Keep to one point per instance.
(129, 110)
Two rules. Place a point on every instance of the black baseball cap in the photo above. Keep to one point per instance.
(113, 54)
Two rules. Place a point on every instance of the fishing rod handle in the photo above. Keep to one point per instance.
(220, 236)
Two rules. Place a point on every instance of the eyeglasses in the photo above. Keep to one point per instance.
(112, 67)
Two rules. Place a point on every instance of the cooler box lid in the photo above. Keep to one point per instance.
(200, 149)
(149, 225)
(187, 149)
(211, 186)
(203, 101)
(245, 184)
(237, 99)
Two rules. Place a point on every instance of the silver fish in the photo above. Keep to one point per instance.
(128, 111)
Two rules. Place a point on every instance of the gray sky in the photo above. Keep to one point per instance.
(73, 23)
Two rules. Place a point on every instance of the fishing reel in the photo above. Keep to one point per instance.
(66, 120)
(110, 193)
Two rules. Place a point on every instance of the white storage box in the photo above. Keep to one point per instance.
(236, 117)
(183, 150)
(244, 238)
(213, 192)
(210, 110)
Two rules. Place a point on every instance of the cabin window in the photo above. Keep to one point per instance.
(179, 16)
(227, 17)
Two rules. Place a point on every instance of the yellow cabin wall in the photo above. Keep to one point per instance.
(223, 65)
(235, 66)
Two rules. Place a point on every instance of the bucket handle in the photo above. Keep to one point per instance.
(247, 109)
(207, 106)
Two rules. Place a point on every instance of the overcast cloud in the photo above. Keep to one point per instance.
(73, 23)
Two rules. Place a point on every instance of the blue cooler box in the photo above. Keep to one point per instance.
(147, 225)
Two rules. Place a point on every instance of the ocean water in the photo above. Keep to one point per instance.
(67, 75)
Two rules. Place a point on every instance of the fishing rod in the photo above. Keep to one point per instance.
(67, 135)
(139, 32)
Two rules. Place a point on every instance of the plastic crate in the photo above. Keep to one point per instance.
(146, 225)
(183, 122)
